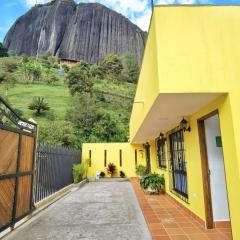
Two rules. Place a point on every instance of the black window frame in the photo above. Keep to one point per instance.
(178, 165)
(161, 152)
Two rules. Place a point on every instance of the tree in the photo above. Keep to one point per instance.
(93, 124)
(59, 133)
(8, 68)
(66, 68)
(108, 129)
(130, 70)
(49, 61)
(96, 71)
(33, 69)
(52, 77)
(39, 105)
(3, 51)
(112, 65)
(79, 80)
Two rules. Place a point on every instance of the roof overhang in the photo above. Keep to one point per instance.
(168, 110)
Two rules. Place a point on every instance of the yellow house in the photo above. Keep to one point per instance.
(186, 117)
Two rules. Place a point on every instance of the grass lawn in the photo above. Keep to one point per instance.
(21, 95)
(59, 99)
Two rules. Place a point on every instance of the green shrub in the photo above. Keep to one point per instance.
(154, 181)
(78, 172)
(58, 133)
(140, 170)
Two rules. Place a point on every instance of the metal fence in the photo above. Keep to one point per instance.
(53, 169)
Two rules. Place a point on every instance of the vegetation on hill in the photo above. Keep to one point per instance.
(3, 51)
(85, 103)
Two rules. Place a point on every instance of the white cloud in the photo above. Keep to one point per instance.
(138, 11)
(31, 3)
(144, 20)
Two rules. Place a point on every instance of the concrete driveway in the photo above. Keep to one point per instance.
(99, 210)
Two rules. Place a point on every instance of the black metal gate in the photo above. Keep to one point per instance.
(54, 169)
(17, 157)
(178, 176)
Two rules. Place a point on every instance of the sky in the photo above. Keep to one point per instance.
(138, 11)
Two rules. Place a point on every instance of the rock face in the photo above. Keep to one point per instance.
(86, 31)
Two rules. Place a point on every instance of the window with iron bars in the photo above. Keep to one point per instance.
(161, 152)
(178, 175)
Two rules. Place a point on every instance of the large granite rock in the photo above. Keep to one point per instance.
(75, 31)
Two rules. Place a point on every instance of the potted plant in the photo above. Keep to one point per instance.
(111, 169)
(102, 174)
(122, 174)
(153, 182)
(140, 170)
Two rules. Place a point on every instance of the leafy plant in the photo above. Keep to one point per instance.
(140, 170)
(66, 68)
(39, 105)
(3, 51)
(122, 174)
(78, 171)
(59, 133)
(130, 70)
(102, 174)
(79, 80)
(154, 181)
(112, 65)
(34, 70)
(111, 169)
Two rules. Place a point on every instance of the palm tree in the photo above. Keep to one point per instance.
(38, 105)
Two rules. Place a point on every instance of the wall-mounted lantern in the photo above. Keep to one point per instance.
(184, 125)
(162, 138)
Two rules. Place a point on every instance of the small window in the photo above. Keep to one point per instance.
(161, 152)
(105, 158)
(90, 158)
(120, 158)
(136, 157)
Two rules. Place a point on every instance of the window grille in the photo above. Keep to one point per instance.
(161, 152)
(178, 176)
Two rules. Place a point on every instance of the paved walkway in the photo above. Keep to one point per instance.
(168, 221)
(103, 210)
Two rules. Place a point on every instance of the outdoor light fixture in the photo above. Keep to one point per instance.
(146, 145)
(185, 125)
(162, 138)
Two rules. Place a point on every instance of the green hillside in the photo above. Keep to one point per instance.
(87, 103)
(59, 98)
(21, 95)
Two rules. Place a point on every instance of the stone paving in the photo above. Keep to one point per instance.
(169, 221)
(97, 211)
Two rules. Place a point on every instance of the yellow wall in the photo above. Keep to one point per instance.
(147, 88)
(128, 157)
(193, 158)
(190, 49)
(198, 48)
